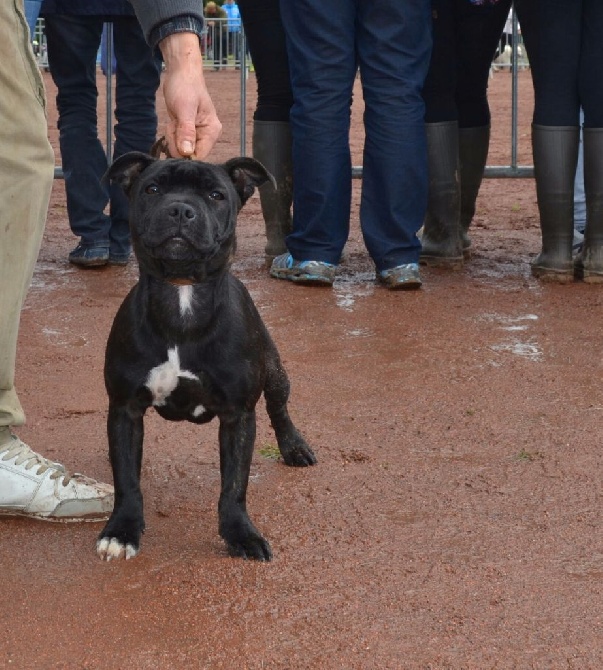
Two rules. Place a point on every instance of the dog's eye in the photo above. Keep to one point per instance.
(216, 195)
(152, 189)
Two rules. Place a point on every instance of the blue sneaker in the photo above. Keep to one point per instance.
(402, 277)
(317, 273)
(89, 256)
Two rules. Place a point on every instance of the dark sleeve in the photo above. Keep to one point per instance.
(160, 18)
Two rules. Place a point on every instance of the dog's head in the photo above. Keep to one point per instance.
(183, 213)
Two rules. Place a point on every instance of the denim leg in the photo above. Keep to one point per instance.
(323, 65)
(137, 80)
(394, 46)
(73, 42)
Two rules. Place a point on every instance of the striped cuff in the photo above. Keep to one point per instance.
(179, 24)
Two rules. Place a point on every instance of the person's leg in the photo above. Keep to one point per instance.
(26, 177)
(322, 58)
(555, 130)
(271, 129)
(394, 46)
(545, 25)
(478, 33)
(267, 46)
(224, 42)
(478, 37)
(555, 150)
(73, 43)
(29, 484)
(441, 238)
(137, 81)
(213, 37)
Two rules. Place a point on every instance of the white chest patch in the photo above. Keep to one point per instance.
(185, 295)
(163, 379)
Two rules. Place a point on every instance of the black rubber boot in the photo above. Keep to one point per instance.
(555, 150)
(441, 237)
(473, 154)
(589, 263)
(272, 147)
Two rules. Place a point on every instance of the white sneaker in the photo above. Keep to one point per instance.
(33, 486)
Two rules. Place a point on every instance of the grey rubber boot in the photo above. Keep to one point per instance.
(441, 237)
(589, 263)
(272, 147)
(555, 150)
(473, 154)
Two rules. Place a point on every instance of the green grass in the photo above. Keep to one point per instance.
(270, 451)
(525, 455)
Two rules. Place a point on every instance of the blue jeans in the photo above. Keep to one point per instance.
(73, 43)
(390, 42)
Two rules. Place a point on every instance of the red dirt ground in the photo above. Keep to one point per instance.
(452, 521)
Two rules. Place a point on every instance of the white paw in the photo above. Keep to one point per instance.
(110, 547)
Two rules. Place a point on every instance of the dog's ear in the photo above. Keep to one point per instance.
(247, 174)
(127, 168)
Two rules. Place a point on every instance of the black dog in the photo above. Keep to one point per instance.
(189, 341)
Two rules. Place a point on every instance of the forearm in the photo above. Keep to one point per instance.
(182, 51)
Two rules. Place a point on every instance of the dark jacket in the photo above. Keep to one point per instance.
(158, 18)
(105, 8)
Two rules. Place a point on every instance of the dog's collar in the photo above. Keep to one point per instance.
(181, 282)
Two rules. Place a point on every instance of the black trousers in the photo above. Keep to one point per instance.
(266, 42)
(564, 41)
(465, 38)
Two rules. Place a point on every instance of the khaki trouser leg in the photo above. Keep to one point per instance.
(26, 176)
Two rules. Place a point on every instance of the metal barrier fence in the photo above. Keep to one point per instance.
(517, 59)
(224, 49)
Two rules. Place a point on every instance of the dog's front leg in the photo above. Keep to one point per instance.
(121, 536)
(292, 445)
(237, 437)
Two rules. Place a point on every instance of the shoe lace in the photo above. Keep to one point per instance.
(23, 455)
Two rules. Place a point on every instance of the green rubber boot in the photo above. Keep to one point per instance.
(555, 150)
(441, 237)
(272, 147)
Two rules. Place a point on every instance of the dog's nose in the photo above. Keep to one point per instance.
(180, 212)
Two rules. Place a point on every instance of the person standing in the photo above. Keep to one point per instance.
(234, 30)
(73, 33)
(216, 19)
(457, 122)
(389, 42)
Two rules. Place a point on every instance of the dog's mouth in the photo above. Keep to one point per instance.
(180, 262)
(174, 247)
(178, 248)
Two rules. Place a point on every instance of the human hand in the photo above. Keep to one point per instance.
(193, 126)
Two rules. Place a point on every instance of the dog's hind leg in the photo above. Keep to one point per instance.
(121, 536)
(293, 447)
(237, 437)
